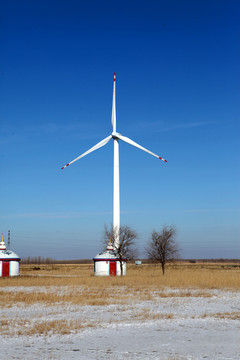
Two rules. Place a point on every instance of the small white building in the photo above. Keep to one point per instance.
(9, 261)
(108, 264)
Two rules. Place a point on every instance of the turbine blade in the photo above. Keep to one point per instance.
(95, 147)
(133, 143)
(114, 105)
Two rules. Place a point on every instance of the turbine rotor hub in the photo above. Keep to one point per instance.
(115, 135)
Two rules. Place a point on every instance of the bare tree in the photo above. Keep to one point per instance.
(162, 246)
(124, 248)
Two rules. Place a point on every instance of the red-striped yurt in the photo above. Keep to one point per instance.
(108, 264)
(9, 261)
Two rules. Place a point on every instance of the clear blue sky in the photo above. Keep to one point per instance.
(177, 65)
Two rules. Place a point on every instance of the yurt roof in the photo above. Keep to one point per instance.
(108, 254)
(8, 255)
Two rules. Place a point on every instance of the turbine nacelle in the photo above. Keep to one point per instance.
(115, 135)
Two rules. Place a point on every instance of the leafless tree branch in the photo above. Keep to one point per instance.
(126, 248)
(162, 246)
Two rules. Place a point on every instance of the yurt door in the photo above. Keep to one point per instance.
(5, 268)
(112, 268)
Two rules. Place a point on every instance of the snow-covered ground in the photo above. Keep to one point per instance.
(178, 327)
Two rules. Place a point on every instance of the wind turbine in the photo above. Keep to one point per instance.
(116, 137)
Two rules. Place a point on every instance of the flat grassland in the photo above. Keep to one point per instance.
(146, 276)
(67, 300)
(140, 282)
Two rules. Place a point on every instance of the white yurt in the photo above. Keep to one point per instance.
(108, 264)
(9, 261)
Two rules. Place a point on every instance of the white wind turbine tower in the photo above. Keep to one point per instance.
(115, 136)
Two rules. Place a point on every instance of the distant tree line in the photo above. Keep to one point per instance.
(219, 260)
(32, 260)
(38, 260)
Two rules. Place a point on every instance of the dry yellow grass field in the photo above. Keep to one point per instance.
(143, 277)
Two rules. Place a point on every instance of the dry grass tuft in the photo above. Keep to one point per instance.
(49, 298)
(40, 328)
(146, 315)
(227, 315)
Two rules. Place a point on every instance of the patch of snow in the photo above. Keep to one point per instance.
(171, 328)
